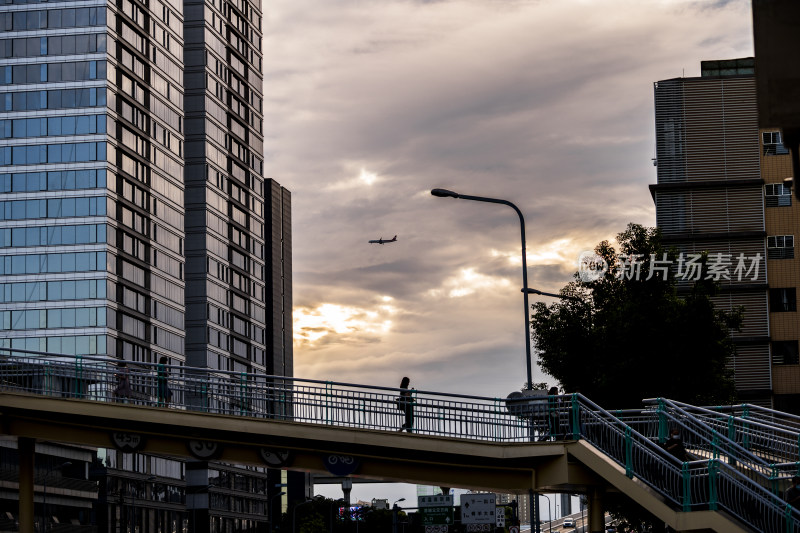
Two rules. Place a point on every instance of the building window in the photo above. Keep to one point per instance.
(777, 195)
(780, 247)
(782, 300)
(785, 353)
(773, 144)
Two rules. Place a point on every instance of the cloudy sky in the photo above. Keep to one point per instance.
(548, 103)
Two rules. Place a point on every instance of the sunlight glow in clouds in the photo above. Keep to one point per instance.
(558, 252)
(338, 323)
(368, 177)
(468, 282)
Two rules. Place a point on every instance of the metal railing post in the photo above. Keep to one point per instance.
(328, 387)
(745, 427)
(687, 487)
(773, 479)
(78, 388)
(243, 378)
(663, 430)
(628, 453)
(732, 438)
(713, 495)
(576, 412)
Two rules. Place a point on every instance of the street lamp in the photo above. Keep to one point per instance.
(549, 512)
(395, 509)
(294, 514)
(444, 193)
(271, 510)
(44, 491)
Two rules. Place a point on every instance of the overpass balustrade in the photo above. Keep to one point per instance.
(733, 441)
(629, 438)
(770, 434)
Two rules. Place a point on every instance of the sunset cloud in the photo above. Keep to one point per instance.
(547, 103)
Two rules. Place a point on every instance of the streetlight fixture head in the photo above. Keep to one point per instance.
(444, 193)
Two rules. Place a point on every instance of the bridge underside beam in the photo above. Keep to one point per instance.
(575, 467)
(384, 456)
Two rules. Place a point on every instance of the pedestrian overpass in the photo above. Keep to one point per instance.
(540, 444)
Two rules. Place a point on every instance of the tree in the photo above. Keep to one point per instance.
(621, 338)
(322, 515)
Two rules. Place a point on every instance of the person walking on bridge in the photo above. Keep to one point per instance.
(162, 386)
(792, 495)
(406, 404)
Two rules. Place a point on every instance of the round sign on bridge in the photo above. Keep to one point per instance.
(513, 529)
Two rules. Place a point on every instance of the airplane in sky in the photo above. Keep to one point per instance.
(383, 241)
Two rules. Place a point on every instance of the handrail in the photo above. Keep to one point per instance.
(704, 484)
(778, 444)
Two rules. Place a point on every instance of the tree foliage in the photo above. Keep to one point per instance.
(619, 339)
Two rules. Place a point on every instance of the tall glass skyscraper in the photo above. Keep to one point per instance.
(133, 206)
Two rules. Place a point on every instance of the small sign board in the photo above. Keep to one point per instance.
(478, 509)
(436, 529)
(437, 516)
(513, 529)
(479, 527)
(501, 517)
(437, 500)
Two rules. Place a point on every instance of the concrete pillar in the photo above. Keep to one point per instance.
(596, 511)
(27, 451)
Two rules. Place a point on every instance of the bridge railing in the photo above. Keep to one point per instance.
(275, 397)
(705, 484)
(710, 484)
(769, 434)
(760, 414)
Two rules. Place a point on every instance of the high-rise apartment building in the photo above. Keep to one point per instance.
(134, 214)
(720, 189)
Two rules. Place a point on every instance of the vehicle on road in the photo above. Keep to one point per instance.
(568, 523)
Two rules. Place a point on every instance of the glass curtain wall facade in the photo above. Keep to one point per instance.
(134, 210)
(237, 236)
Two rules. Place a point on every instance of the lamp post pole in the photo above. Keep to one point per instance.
(444, 193)
(271, 510)
(294, 514)
(549, 512)
(395, 510)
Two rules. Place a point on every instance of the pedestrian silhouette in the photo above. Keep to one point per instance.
(123, 388)
(162, 386)
(406, 404)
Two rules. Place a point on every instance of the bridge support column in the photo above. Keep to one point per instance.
(597, 512)
(27, 451)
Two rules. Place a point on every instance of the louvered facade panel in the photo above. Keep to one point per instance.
(706, 129)
(745, 209)
(702, 211)
(755, 321)
(671, 214)
(749, 248)
(751, 367)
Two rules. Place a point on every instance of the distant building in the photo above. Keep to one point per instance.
(720, 189)
(377, 504)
